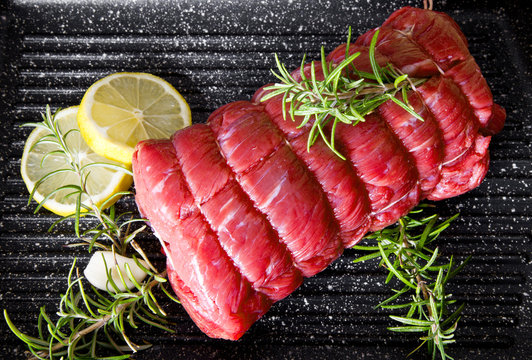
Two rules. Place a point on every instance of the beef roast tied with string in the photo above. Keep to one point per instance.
(245, 212)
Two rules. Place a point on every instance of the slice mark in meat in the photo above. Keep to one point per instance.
(217, 287)
(382, 59)
(251, 243)
(464, 73)
(469, 79)
(422, 139)
(463, 70)
(434, 32)
(412, 173)
(155, 164)
(198, 156)
(243, 232)
(224, 117)
(384, 167)
(410, 131)
(455, 149)
(402, 51)
(380, 196)
(281, 188)
(362, 62)
(459, 136)
(453, 113)
(387, 205)
(464, 144)
(298, 209)
(345, 191)
(350, 207)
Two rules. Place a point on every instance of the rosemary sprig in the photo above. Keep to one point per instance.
(88, 322)
(85, 207)
(345, 94)
(403, 250)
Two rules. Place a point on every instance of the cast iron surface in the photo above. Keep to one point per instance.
(215, 52)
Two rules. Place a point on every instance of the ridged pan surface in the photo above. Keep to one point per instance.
(217, 52)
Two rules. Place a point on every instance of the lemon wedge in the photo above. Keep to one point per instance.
(122, 109)
(44, 157)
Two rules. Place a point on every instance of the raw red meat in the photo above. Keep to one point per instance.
(344, 189)
(244, 233)
(218, 297)
(244, 211)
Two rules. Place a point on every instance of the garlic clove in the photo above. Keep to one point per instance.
(96, 275)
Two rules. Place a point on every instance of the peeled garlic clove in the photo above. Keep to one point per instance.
(96, 275)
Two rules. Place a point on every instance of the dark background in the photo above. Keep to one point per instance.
(216, 52)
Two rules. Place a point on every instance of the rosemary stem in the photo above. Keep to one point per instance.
(76, 166)
(138, 249)
(97, 325)
(420, 282)
(98, 214)
(426, 294)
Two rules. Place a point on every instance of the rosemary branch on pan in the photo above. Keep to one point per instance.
(344, 95)
(89, 320)
(404, 251)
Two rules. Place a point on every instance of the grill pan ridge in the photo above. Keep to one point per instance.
(217, 52)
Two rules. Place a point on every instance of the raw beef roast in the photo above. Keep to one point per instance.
(245, 212)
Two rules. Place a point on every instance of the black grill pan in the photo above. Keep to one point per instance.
(215, 52)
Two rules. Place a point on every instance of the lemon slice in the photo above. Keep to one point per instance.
(121, 109)
(101, 183)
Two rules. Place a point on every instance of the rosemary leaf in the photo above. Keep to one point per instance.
(377, 71)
